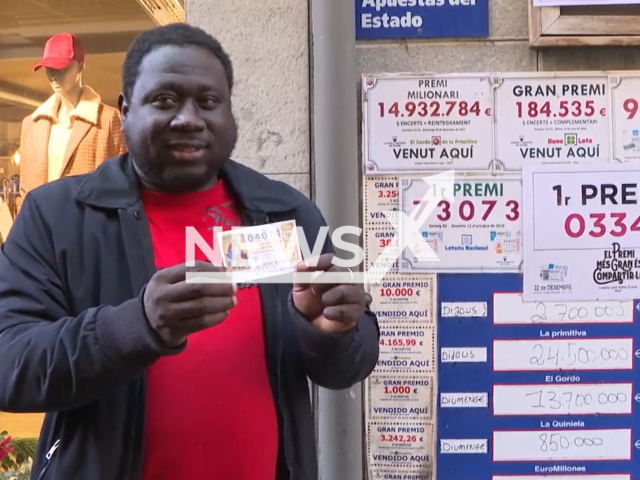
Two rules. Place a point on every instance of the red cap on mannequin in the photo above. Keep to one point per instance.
(59, 51)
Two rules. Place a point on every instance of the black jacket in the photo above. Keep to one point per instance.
(75, 343)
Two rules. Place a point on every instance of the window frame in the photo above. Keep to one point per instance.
(556, 27)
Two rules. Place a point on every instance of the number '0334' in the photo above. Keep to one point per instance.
(596, 225)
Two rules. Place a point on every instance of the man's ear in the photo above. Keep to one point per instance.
(123, 106)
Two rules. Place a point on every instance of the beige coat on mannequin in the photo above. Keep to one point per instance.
(95, 137)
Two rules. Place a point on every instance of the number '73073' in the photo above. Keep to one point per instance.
(468, 211)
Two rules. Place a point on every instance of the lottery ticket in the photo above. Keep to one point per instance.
(407, 348)
(405, 298)
(395, 445)
(260, 251)
(401, 397)
(380, 202)
(380, 195)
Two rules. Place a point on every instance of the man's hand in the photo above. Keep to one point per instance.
(177, 309)
(332, 308)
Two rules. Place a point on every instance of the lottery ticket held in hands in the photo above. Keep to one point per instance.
(261, 251)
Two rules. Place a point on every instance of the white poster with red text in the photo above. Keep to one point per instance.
(551, 118)
(427, 122)
(581, 226)
(478, 229)
(625, 119)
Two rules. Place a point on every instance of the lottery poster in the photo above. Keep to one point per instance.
(551, 118)
(420, 123)
(625, 128)
(582, 231)
(472, 224)
(498, 121)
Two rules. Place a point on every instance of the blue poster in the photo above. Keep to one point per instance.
(404, 19)
(527, 390)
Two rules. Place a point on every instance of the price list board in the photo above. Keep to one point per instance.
(533, 390)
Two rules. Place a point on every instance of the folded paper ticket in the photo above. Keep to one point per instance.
(261, 251)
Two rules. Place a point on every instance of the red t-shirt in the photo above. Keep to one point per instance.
(210, 411)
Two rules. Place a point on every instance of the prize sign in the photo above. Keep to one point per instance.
(582, 226)
(380, 196)
(479, 229)
(400, 398)
(551, 119)
(625, 99)
(413, 124)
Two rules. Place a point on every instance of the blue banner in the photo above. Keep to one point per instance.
(527, 390)
(405, 19)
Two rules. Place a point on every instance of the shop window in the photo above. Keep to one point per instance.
(104, 29)
(579, 26)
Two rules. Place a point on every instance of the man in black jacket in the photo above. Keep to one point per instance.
(142, 375)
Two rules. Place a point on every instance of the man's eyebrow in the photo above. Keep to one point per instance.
(166, 85)
(181, 87)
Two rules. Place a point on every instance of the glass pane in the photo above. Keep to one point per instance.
(54, 104)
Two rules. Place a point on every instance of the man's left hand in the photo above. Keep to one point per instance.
(330, 307)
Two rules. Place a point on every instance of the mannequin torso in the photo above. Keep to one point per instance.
(71, 133)
(61, 127)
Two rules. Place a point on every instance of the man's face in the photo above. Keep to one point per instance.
(178, 123)
(65, 80)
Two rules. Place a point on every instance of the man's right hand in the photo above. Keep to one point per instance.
(177, 309)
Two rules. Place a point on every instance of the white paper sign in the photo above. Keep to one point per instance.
(400, 444)
(401, 398)
(404, 298)
(581, 232)
(625, 100)
(418, 123)
(406, 348)
(480, 230)
(380, 195)
(551, 119)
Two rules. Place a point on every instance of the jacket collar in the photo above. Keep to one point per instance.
(115, 184)
(88, 107)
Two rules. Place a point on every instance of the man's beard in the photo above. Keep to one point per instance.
(176, 180)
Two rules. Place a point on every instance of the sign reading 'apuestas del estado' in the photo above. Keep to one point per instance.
(393, 19)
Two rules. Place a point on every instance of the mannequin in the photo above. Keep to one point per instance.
(73, 132)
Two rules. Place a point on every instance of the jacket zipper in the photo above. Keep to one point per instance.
(47, 457)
